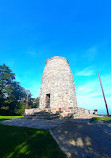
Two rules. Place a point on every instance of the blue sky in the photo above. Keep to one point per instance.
(32, 31)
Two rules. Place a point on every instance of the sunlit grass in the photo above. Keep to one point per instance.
(22, 142)
(2, 118)
(101, 119)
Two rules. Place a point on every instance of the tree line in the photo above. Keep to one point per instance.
(13, 95)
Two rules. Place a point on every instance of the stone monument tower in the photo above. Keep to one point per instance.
(57, 91)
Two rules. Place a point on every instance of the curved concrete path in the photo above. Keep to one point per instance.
(33, 123)
(84, 140)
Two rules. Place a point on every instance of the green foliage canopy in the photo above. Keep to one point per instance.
(12, 95)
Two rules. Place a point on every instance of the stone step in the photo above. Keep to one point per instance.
(39, 115)
(42, 115)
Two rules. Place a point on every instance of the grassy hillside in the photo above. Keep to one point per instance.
(101, 119)
(23, 142)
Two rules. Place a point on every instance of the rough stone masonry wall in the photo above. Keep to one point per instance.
(78, 112)
(57, 80)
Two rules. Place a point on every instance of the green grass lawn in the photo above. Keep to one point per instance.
(2, 118)
(101, 119)
(23, 142)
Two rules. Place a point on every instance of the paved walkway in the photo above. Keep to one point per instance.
(33, 123)
(39, 123)
(84, 140)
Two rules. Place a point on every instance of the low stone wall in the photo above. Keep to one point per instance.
(31, 111)
(93, 111)
(77, 112)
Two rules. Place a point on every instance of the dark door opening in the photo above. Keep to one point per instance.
(47, 100)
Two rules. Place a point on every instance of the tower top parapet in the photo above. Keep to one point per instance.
(57, 58)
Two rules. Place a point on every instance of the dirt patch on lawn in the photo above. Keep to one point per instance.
(84, 140)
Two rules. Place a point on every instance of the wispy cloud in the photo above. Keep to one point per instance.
(92, 88)
(89, 95)
(91, 53)
(88, 71)
(92, 50)
(32, 53)
(94, 103)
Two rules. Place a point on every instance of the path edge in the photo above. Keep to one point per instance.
(60, 146)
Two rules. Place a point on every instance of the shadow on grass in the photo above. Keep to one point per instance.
(22, 142)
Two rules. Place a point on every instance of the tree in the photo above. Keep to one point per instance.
(6, 78)
(35, 102)
(16, 96)
(15, 92)
(12, 95)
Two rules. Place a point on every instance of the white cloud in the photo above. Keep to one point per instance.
(92, 88)
(91, 53)
(88, 71)
(89, 95)
(94, 103)
(32, 53)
